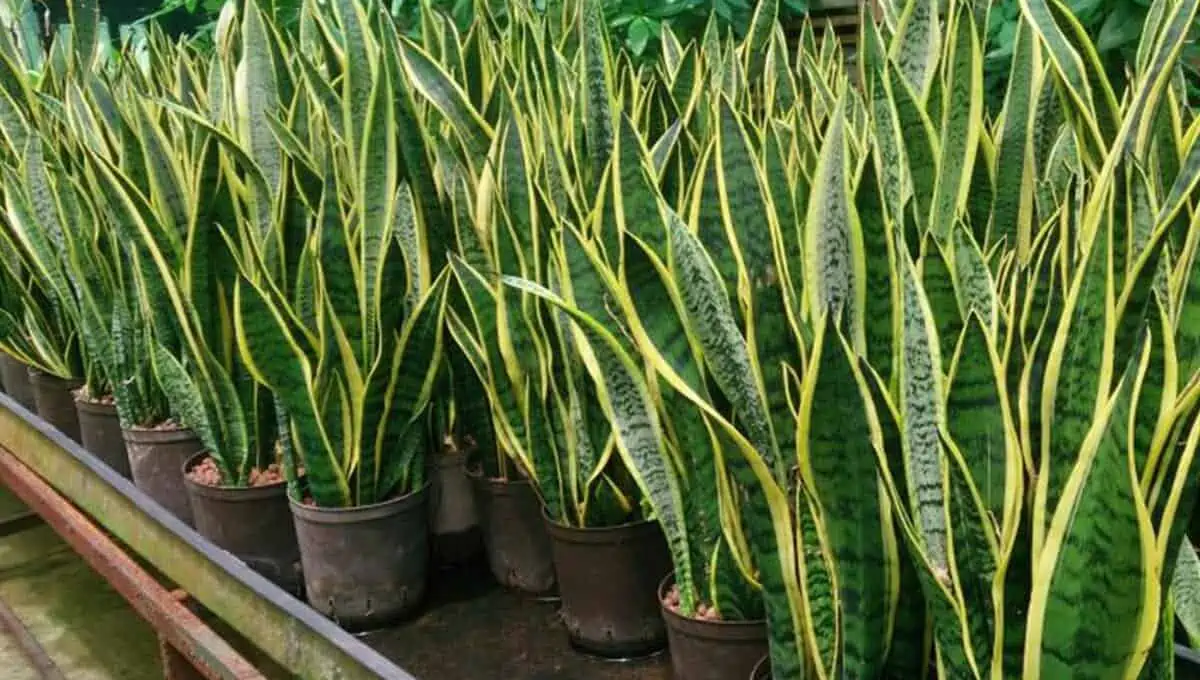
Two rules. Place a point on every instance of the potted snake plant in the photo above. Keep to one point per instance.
(1053, 431)
(514, 330)
(339, 310)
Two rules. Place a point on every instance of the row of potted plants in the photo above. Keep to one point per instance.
(756, 354)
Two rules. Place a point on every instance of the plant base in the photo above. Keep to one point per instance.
(454, 521)
(514, 535)
(156, 458)
(608, 580)
(253, 523)
(711, 650)
(16, 382)
(54, 399)
(365, 567)
(100, 431)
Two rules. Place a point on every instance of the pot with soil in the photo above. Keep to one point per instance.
(100, 430)
(54, 399)
(365, 567)
(763, 670)
(16, 381)
(252, 522)
(608, 580)
(514, 534)
(453, 517)
(705, 647)
(156, 458)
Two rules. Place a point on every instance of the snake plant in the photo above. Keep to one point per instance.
(339, 307)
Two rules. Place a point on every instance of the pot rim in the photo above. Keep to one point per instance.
(359, 513)
(227, 493)
(158, 435)
(740, 626)
(44, 377)
(572, 534)
(96, 406)
(475, 472)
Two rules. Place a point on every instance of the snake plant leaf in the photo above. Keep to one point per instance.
(821, 626)
(711, 319)
(961, 125)
(275, 359)
(256, 94)
(629, 406)
(518, 198)
(908, 652)
(709, 221)
(758, 35)
(917, 45)
(432, 81)
(413, 374)
(833, 239)
(979, 420)
(356, 60)
(187, 405)
(938, 282)
(919, 142)
(921, 410)
(376, 193)
(879, 257)
(1143, 110)
(936, 581)
(84, 16)
(634, 195)
(973, 280)
(665, 146)
(1080, 358)
(838, 460)
(509, 412)
(789, 196)
(660, 329)
(1101, 519)
(1185, 587)
(976, 558)
(1067, 62)
(597, 72)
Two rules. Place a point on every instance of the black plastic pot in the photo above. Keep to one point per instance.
(156, 459)
(454, 521)
(100, 433)
(365, 567)
(54, 399)
(518, 547)
(16, 381)
(253, 523)
(711, 650)
(608, 580)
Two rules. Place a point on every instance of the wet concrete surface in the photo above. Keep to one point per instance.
(84, 626)
(472, 629)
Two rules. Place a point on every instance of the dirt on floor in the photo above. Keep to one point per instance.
(472, 629)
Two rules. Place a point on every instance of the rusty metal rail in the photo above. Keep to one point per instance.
(46, 469)
(207, 652)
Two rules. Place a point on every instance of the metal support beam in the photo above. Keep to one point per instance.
(204, 650)
(285, 629)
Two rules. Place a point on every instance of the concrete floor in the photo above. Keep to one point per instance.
(472, 629)
(84, 626)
